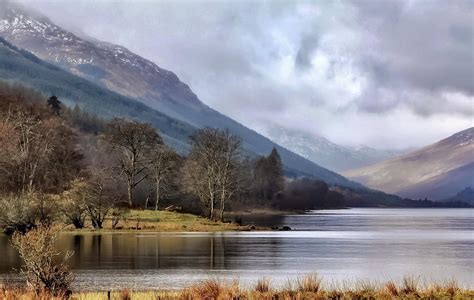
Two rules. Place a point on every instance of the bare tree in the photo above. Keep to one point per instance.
(40, 151)
(74, 202)
(162, 167)
(212, 168)
(229, 169)
(133, 141)
(100, 194)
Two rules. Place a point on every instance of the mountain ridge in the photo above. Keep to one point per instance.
(194, 116)
(418, 174)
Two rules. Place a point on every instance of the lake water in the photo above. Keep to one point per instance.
(377, 244)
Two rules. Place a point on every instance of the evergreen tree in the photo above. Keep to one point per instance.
(55, 104)
(276, 172)
(269, 177)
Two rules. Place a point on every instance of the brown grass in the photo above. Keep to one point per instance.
(392, 288)
(410, 285)
(125, 294)
(262, 285)
(310, 283)
(305, 287)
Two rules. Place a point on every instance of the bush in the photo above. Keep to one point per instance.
(43, 275)
(17, 213)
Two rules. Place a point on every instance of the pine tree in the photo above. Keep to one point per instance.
(55, 104)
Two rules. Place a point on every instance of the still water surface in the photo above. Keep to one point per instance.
(378, 244)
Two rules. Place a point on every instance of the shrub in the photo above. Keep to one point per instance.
(36, 248)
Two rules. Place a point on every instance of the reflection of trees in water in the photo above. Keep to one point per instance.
(9, 258)
(250, 252)
(96, 248)
(218, 251)
(77, 243)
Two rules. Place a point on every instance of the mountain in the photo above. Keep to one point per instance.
(20, 66)
(328, 154)
(466, 196)
(82, 71)
(437, 171)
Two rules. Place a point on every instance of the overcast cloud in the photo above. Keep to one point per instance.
(389, 74)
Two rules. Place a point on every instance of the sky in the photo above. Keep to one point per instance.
(390, 74)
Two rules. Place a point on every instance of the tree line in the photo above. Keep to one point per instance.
(62, 163)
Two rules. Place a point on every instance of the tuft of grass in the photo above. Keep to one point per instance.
(207, 289)
(310, 283)
(392, 288)
(452, 287)
(262, 285)
(410, 285)
(125, 294)
(231, 291)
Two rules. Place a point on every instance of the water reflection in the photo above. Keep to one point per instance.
(344, 244)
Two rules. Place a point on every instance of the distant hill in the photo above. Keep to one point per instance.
(327, 153)
(140, 89)
(438, 171)
(466, 196)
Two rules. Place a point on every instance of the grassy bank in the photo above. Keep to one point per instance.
(165, 221)
(305, 287)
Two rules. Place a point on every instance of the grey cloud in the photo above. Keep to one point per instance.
(425, 45)
(308, 44)
(253, 60)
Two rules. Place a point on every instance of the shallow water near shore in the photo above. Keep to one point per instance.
(349, 244)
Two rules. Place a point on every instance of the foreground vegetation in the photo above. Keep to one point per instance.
(310, 286)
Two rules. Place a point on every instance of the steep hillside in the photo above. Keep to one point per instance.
(442, 186)
(17, 65)
(328, 154)
(132, 76)
(437, 171)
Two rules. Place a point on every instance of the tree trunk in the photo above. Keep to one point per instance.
(157, 194)
(222, 211)
(78, 223)
(146, 201)
(211, 205)
(130, 194)
(222, 205)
